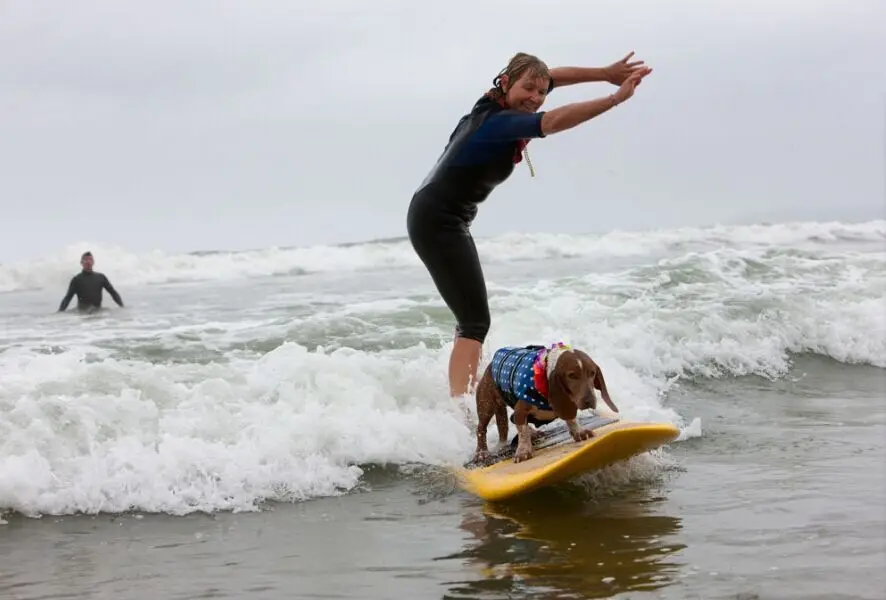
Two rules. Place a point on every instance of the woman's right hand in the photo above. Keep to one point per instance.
(630, 84)
(570, 115)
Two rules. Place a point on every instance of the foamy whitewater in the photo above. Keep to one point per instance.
(232, 379)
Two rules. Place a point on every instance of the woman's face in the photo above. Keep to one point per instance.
(527, 93)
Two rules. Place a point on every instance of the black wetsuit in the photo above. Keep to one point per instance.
(481, 154)
(88, 286)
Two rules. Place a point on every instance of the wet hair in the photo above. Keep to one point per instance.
(85, 255)
(519, 65)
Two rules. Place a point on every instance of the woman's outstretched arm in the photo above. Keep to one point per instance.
(570, 115)
(571, 75)
(616, 73)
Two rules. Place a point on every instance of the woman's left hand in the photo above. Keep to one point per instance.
(617, 72)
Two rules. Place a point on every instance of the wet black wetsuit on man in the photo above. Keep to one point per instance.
(88, 286)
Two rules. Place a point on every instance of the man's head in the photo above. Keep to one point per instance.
(86, 261)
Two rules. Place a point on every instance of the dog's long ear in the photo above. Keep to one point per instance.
(600, 384)
(595, 373)
(559, 396)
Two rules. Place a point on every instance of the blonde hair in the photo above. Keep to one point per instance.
(520, 64)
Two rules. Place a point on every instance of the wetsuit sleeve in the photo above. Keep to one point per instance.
(106, 283)
(510, 125)
(72, 288)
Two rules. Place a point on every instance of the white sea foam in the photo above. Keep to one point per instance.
(91, 421)
(158, 267)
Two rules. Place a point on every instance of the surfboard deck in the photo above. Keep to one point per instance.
(557, 458)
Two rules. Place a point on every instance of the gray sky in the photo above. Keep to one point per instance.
(221, 124)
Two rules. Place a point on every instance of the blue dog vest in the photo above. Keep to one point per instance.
(513, 372)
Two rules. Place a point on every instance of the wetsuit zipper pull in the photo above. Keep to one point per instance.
(528, 162)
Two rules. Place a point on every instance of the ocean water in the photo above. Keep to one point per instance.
(285, 411)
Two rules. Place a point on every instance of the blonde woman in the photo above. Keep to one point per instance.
(481, 154)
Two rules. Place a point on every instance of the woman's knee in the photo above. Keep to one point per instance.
(474, 329)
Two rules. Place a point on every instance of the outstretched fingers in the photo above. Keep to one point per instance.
(627, 57)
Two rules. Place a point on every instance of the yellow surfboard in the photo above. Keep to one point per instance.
(554, 462)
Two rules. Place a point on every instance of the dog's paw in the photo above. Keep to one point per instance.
(582, 434)
(522, 454)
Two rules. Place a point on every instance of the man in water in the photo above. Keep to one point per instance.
(88, 285)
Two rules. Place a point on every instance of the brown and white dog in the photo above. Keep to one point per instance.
(540, 384)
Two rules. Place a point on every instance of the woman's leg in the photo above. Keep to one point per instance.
(463, 363)
(450, 255)
(471, 311)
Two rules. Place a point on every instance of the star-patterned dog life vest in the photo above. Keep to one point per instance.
(514, 373)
